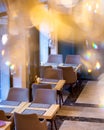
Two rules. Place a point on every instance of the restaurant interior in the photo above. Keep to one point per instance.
(51, 64)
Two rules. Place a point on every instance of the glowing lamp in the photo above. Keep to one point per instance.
(98, 65)
(89, 70)
(4, 39)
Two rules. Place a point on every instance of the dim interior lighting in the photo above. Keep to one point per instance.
(12, 67)
(7, 63)
(98, 65)
(89, 70)
(4, 39)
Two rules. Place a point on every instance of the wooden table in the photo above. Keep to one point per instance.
(76, 67)
(9, 107)
(55, 65)
(44, 111)
(58, 84)
(7, 126)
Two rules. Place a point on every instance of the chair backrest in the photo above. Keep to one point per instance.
(69, 75)
(42, 70)
(73, 59)
(52, 73)
(55, 58)
(3, 116)
(46, 96)
(18, 94)
(39, 86)
(28, 122)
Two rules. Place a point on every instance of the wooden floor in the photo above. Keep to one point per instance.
(88, 113)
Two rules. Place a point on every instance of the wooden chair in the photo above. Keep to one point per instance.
(55, 58)
(42, 70)
(70, 77)
(52, 73)
(4, 118)
(39, 86)
(73, 59)
(18, 94)
(46, 96)
(28, 122)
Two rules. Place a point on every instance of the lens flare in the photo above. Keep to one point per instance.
(98, 66)
(2, 52)
(7, 63)
(94, 45)
(89, 70)
(101, 105)
(12, 67)
(88, 55)
(4, 39)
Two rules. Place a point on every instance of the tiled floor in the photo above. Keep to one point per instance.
(79, 125)
(87, 113)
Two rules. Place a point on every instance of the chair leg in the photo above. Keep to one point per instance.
(72, 91)
(53, 124)
(60, 97)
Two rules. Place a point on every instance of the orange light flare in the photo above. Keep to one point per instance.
(97, 66)
(85, 21)
(89, 17)
(40, 14)
(63, 24)
(89, 70)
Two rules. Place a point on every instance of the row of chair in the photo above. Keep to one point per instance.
(70, 59)
(67, 73)
(41, 93)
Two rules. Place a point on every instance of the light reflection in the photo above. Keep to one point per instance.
(98, 66)
(88, 55)
(2, 52)
(7, 63)
(94, 45)
(101, 105)
(12, 67)
(4, 39)
(89, 70)
(91, 60)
